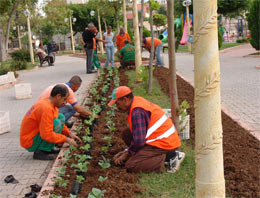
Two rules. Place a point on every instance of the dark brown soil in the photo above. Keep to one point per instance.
(241, 149)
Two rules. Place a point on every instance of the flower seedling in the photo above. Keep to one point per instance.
(55, 196)
(96, 193)
(85, 147)
(105, 163)
(108, 139)
(61, 171)
(83, 158)
(104, 148)
(61, 182)
(72, 148)
(87, 130)
(87, 139)
(73, 196)
(102, 179)
(80, 179)
(82, 166)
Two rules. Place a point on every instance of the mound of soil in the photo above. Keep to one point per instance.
(241, 149)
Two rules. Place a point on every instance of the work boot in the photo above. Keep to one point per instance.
(41, 155)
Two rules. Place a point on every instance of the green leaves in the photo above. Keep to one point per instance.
(79, 178)
(61, 182)
(102, 179)
(105, 163)
(96, 193)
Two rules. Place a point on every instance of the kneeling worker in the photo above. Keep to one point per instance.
(127, 55)
(69, 110)
(151, 138)
(43, 126)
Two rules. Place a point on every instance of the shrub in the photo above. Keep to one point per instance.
(146, 33)
(254, 24)
(21, 55)
(244, 40)
(220, 38)
(18, 65)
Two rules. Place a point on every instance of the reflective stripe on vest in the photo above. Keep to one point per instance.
(165, 135)
(156, 125)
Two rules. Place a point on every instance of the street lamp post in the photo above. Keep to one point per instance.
(71, 32)
(27, 14)
(187, 3)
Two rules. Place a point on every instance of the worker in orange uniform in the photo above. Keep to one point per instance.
(120, 39)
(152, 139)
(43, 126)
(157, 48)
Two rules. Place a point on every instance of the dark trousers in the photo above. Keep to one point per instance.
(124, 64)
(89, 54)
(147, 159)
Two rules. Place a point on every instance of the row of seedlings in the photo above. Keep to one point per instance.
(76, 159)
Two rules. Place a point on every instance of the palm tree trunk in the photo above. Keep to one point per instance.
(124, 14)
(210, 180)
(141, 23)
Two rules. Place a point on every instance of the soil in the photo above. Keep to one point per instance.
(241, 152)
(241, 149)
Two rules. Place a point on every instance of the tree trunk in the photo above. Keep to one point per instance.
(138, 57)
(124, 14)
(150, 82)
(30, 39)
(9, 23)
(3, 54)
(100, 33)
(105, 22)
(141, 24)
(210, 180)
(72, 37)
(19, 36)
(117, 24)
(172, 64)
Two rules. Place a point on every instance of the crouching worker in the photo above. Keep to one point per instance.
(152, 139)
(127, 55)
(73, 107)
(43, 126)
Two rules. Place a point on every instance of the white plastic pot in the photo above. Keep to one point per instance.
(5, 125)
(184, 132)
(7, 78)
(23, 91)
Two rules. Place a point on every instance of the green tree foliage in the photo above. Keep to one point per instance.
(159, 20)
(162, 10)
(226, 7)
(254, 24)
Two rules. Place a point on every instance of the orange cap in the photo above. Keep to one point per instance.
(119, 93)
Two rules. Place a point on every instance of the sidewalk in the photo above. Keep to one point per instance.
(15, 160)
(240, 81)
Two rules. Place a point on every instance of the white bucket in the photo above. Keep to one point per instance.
(23, 91)
(5, 125)
(184, 132)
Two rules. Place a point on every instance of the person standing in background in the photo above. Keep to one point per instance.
(121, 37)
(108, 37)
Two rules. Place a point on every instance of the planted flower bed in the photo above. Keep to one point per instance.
(88, 170)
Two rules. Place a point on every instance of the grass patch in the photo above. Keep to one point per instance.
(165, 185)
(228, 45)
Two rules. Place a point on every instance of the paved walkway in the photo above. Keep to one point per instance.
(14, 159)
(240, 81)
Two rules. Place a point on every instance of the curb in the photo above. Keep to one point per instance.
(49, 183)
(230, 48)
(241, 123)
(6, 86)
(28, 70)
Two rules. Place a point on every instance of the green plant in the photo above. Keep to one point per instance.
(79, 178)
(61, 182)
(104, 148)
(96, 193)
(82, 158)
(18, 65)
(87, 139)
(244, 40)
(220, 38)
(182, 110)
(61, 171)
(72, 148)
(105, 163)
(55, 196)
(108, 139)
(82, 166)
(73, 196)
(21, 55)
(102, 179)
(254, 24)
(85, 147)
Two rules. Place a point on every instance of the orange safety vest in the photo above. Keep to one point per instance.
(161, 131)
